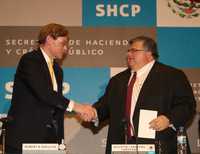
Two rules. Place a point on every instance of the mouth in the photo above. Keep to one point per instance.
(130, 59)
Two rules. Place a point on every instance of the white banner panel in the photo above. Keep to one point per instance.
(37, 12)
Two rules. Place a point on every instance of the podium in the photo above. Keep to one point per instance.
(44, 149)
(133, 149)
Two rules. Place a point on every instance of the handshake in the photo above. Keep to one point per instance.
(86, 112)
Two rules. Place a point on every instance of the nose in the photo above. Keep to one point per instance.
(66, 48)
(129, 54)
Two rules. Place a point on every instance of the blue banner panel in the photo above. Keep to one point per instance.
(85, 84)
(80, 84)
(6, 87)
(119, 13)
(179, 47)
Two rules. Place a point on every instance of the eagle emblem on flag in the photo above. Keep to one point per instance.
(185, 8)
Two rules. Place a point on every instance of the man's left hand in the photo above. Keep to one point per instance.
(160, 123)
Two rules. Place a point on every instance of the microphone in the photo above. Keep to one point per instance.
(6, 119)
(199, 126)
(136, 141)
(125, 124)
(198, 140)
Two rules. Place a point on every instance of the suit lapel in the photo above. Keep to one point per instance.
(124, 84)
(147, 85)
(58, 75)
(143, 97)
(45, 68)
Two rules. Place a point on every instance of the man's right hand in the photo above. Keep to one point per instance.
(85, 111)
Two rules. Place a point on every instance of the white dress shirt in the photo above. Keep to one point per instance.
(48, 60)
(140, 79)
(55, 85)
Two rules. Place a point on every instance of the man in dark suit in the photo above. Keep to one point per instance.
(38, 106)
(157, 87)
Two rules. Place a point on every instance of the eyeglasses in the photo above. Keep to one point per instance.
(135, 50)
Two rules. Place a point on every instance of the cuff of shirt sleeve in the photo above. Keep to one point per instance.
(172, 126)
(96, 120)
(70, 106)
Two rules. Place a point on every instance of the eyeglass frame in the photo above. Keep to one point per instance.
(132, 50)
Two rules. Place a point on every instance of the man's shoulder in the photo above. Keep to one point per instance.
(167, 70)
(122, 74)
(36, 53)
(34, 56)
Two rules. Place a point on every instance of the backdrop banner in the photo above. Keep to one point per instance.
(99, 34)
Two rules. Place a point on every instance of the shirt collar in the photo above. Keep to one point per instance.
(145, 68)
(46, 57)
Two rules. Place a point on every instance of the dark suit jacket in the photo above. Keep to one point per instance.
(37, 111)
(165, 90)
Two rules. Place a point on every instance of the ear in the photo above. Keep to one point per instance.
(49, 39)
(149, 55)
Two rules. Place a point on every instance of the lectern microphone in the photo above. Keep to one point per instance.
(6, 119)
(124, 123)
